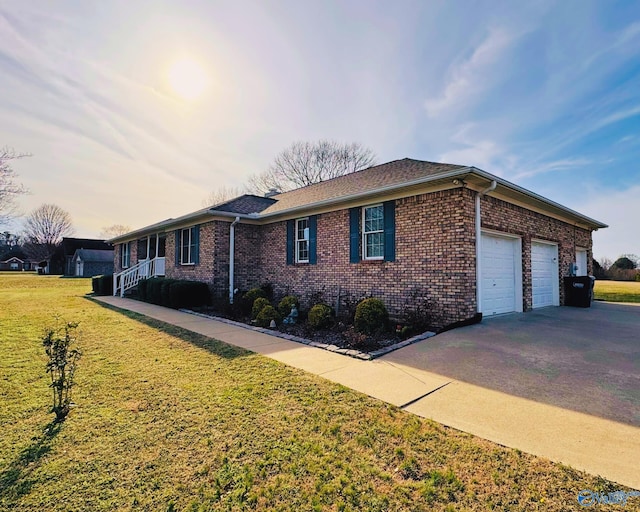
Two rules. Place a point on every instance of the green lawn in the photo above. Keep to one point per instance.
(169, 420)
(617, 291)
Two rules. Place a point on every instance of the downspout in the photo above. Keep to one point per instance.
(479, 243)
(232, 248)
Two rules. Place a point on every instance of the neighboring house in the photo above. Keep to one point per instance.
(15, 259)
(13, 263)
(62, 260)
(466, 239)
(92, 262)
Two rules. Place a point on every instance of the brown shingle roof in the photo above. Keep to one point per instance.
(373, 178)
(245, 204)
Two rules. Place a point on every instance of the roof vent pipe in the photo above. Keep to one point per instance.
(479, 245)
(272, 192)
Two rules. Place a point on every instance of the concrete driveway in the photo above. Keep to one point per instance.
(560, 383)
(586, 360)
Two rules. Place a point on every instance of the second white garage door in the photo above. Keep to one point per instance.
(544, 274)
(500, 275)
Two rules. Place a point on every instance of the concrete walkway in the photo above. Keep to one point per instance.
(589, 443)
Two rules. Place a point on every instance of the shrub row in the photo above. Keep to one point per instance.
(174, 293)
(102, 285)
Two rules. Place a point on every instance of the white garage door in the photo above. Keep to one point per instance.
(544, 274)
(499, 274)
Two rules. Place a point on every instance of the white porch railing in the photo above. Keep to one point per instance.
(131, 276)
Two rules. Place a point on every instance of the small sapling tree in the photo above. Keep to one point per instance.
(61, 365)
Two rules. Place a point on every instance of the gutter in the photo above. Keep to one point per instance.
(479, 194)
(232, 248)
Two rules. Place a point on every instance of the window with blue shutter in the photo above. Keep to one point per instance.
(372, 232)
(354, 235)
(313, 239)
(389, 230)
(290, 237)
(178, 245)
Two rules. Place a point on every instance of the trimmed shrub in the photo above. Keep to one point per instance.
(319, 316)
(267, 314)
(142, 289)
(371, 316)
(154, 290)
(188, 294)
(258, 305)
(285, 305)
(102, 285)
(253, 294)
(165, 292)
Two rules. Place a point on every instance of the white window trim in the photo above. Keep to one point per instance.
(296, 240)
(126, 255)
(190, 248)
(364, 235)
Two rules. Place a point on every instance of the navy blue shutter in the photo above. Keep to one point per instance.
(389, 230)
(177, 247)
(313, 239)
(195, 233)
(354, 235)
(122, 255)
(291, 225)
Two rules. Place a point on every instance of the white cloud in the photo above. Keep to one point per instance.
(471, 76)
(557, 165)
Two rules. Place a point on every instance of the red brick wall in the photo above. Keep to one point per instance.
(204, 270)
(434, 254)
(506, 217)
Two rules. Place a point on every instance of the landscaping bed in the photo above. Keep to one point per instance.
(363, 329)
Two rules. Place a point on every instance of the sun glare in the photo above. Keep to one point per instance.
(188, 79)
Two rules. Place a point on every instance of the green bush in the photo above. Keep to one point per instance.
(102, 285)
(258, 305)
(253, 294)
(174, 293)
(154, 290)
(371, 316)
(142, 289)
(188, 294)
(165, 292)
(267, 314)
(320, 316)
(285, 305)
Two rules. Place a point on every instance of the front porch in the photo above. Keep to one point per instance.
(150, 253)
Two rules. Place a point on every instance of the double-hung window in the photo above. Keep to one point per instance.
(302, 240)
(125, 255)
(373, 232)
(188, 246)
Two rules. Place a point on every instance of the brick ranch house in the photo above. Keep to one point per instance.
(468, 240)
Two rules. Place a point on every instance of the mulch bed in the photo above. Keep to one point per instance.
(340, 338)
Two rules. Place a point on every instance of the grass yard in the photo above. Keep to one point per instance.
(617, 291)
(167, 420)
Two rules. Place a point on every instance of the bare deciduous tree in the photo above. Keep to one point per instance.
(10, 189)
(605, 263)
(44, 229)
(114, 230)
(222, 194)
(305, 163)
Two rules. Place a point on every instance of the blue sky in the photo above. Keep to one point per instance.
(544, 94)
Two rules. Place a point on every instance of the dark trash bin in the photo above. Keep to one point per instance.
(578, 291)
